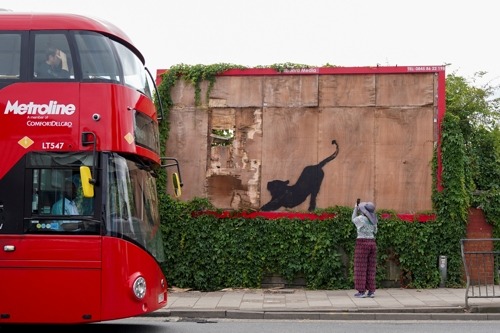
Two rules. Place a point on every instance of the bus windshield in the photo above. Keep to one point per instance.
(133, 206)
(57, 202)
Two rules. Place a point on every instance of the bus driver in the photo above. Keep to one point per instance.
(67, 206)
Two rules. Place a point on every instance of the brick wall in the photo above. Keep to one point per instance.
(480, 265)
(478, 227)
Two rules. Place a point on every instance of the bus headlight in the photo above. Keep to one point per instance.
(139, 287)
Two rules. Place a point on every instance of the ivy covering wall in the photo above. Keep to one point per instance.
(204, 252)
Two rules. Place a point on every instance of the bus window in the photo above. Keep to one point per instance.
(98, 61)
(50, 187)
(52, 57)
(133, 205)
(57, 193)
(134, 73)
(47, 189)
(10, 55)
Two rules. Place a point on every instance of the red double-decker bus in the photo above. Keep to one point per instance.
(80, 237)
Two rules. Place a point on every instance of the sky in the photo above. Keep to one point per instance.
(347, 33)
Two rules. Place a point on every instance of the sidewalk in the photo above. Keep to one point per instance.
(388, 304)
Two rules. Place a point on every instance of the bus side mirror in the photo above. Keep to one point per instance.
(176, 185)
(176, 177)
(86, 176)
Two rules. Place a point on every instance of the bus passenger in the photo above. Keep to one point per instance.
(55, 65)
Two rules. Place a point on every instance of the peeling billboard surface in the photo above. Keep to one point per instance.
(384, 125)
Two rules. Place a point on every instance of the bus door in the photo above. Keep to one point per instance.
(57, 253)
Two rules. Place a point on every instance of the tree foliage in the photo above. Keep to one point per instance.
(477, 110)
(474, 106)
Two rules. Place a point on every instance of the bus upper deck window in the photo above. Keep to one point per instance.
(97, 58)
(10, 55)
(52, 57)
(134, 73)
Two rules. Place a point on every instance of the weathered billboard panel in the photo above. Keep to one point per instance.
(313, 140)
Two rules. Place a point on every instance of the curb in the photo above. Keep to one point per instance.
(485, 309)
(449, 313)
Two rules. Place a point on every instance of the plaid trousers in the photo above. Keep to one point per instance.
(365, 264)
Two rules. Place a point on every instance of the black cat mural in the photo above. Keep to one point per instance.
(308, 183)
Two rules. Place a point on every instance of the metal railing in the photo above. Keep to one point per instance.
(481, 263)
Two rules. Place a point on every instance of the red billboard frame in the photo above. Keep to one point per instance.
(440, 71)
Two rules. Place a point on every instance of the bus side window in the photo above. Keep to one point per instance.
(52, 57)
(10, 55)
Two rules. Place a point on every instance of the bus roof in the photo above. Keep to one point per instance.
(57, 21)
